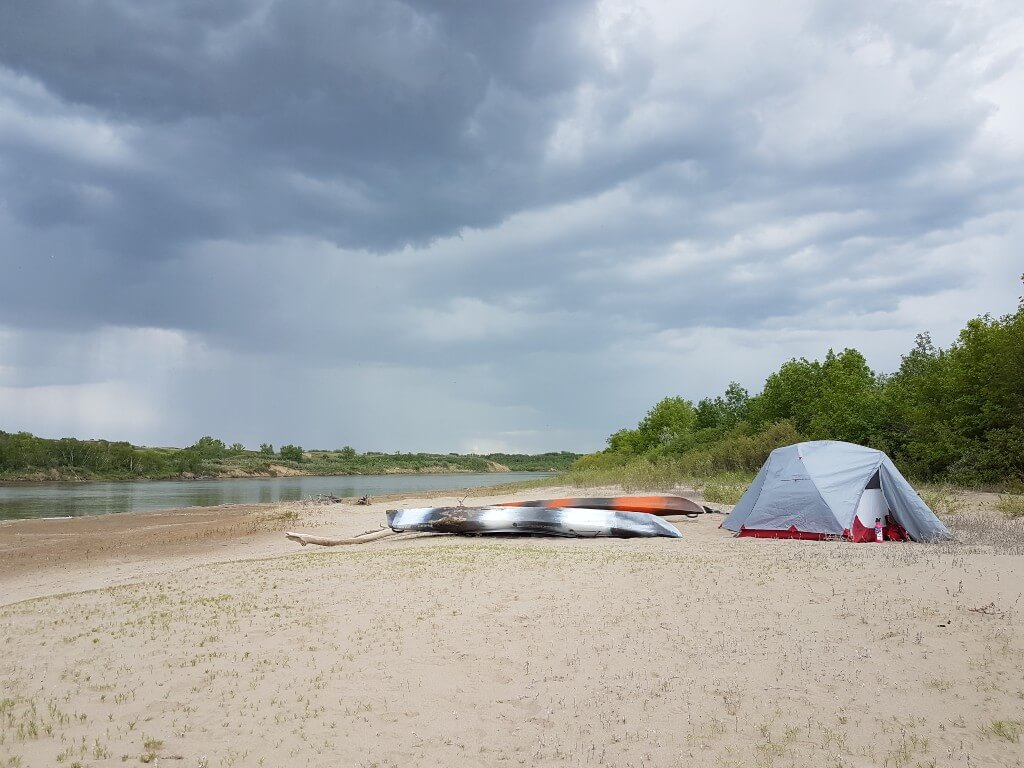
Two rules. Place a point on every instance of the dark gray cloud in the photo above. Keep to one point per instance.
(372, 124)
(483, 219)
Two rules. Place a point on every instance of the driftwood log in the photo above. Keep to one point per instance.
(325, 541)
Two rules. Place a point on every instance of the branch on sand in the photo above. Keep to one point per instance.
(323, 541)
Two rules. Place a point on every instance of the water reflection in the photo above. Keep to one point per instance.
(26, 500)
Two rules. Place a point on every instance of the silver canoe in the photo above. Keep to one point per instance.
(554, 521)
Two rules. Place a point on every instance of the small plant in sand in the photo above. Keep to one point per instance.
(1008, 730)
(1003, 534)
(723, 493)
(944, 500)
(99, 751)
(1011, 505)
(152, 746)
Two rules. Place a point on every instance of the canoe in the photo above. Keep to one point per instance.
(662, 506)
(542, 521)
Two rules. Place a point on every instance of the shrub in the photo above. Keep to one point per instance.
(291, 453)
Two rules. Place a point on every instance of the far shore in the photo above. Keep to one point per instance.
(238, 474)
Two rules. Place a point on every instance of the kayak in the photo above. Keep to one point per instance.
(662, 506)
(536, 521)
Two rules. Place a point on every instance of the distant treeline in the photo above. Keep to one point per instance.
(952, 414)
(25, 456)
(379, 463)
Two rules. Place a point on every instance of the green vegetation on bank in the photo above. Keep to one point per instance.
(947, 415)
(26, 457)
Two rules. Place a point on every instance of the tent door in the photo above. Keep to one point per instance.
(872, 504)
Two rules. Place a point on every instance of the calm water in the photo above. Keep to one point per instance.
(25, 500)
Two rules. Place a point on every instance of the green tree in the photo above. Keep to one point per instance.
(266, 449)
(847, 407)
(188, 460)
(918, 430)
(209, 447)
(667, 427)
(723, 413)
(627, 442)
(291, 453)
(790, 394)
(984, 407)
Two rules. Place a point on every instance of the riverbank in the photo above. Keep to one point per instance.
(27, 458)
(233, 472)
(64, 475)
(206, 635)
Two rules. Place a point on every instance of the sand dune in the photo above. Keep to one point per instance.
(206, 636)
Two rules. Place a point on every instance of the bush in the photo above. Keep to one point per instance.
(740, 450)
(291, 453)
(209, 447)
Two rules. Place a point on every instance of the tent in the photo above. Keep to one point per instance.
(831, 489)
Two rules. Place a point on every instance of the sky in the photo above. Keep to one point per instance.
(481, 227)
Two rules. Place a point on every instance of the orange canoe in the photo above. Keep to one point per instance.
(662, 506)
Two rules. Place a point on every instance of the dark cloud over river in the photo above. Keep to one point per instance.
(458, 226)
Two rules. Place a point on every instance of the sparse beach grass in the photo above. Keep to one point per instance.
(1011, 505)
(645, 475)
(1008, 730)
(441, 650)
(944, 500)
(724, 489)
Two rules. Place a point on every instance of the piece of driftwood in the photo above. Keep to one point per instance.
(324, 541)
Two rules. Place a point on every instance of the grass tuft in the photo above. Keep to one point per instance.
(944, 500)
(1008, 730)
(1004, 534)
(643, 475)
(723, 493)
(1011, 505)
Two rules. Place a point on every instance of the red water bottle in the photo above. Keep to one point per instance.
(879, 535)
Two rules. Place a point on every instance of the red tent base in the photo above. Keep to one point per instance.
(891, 531)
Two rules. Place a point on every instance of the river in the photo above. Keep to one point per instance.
(29, 500)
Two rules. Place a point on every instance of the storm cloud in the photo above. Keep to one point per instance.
(467, 226)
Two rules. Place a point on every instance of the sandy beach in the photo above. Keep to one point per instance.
(203, 637)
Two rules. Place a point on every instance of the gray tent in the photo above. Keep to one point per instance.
(828, 488)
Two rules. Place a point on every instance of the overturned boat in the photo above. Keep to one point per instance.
(531, 520)
(662, 506)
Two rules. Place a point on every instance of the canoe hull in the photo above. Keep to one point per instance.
(536, 521)
(662, 506)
